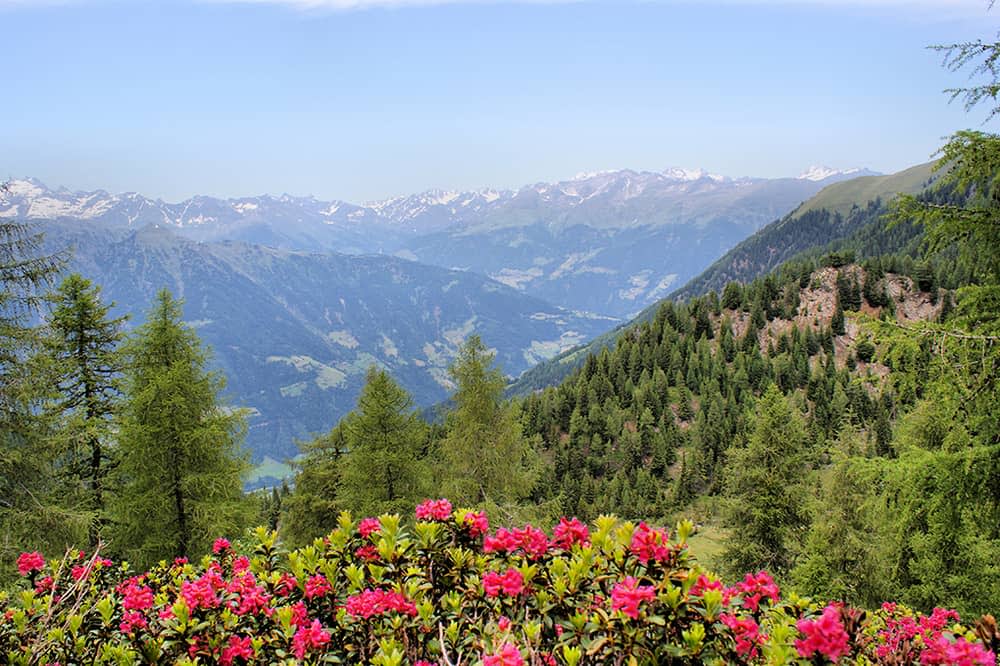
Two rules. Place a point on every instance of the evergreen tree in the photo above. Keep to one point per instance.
(311, 509)
(32, 512)
(382, 471)
(180, 460)
(767, 507)
(487, 460)
(83, 340)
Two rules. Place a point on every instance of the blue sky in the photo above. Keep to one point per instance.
(359, 99)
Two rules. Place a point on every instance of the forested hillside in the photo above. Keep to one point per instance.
(841, 219)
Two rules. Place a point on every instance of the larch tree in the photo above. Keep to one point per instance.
(83, 340)
(383, 471)
(181, 461)
(487, 459)
(31, 512)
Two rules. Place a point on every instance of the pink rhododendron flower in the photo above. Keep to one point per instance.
(46, 584)
(220, 546)
(252, 598)
(240, 565)
(825, 636)
(528, 539)
(503, 623)
(237, 647)
(199, 593)
(650, 544)
(510, 582)
(755, 587)
(368, 553)
(29, 563)
(439, 510)
(628, 594)
(475, 522)
(132, 620)
(317, 586)
(570, 531)
(136, 597)
(375, 602)
(369, 526)
(285, 585)
(508, 655)
(941, 651)
(746, 633)
(300, 616)
(309, 638)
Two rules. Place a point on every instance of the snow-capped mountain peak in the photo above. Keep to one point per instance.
(688, 175)
(817, 173)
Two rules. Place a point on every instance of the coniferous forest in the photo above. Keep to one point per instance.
(800, 467)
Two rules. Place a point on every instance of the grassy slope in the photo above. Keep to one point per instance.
(840, 197)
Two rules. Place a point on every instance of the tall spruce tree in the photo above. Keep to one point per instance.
(487, 460)
(180, 449)
(383, 471)
(766, 491)
(83, 341)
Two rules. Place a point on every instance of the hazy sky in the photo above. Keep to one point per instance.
(363, 99)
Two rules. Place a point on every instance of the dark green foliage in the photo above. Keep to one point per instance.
(485, 458)
(766, 489)
(180, 458)
(82, 340)
(864, 350)
(312, 508)
(382, 470)
(33, 510)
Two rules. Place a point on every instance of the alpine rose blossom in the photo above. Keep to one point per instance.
(439, 510)
(650, 544)
(825, 636)
(369, 526)
(237, 647)
(570, 531)
(756, 587)
(28, 563)
(221, 545)
(628, 594)
(475, 522)
(317, 586)
(309, 638)
(375, 602)
(508, 655)
(511, 583)
(960, 653)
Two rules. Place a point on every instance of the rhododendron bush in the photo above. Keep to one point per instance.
(447, 590)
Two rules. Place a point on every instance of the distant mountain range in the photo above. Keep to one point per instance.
(298, 297)
(610, 242)
(295, 332)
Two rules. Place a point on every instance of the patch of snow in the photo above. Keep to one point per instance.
(816, 173)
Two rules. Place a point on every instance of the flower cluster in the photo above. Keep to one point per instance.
(451, 592)
(511, 583)
(376, 602)
(628, 594)
(650, 544)
(825, 636)
(437, 510)
(529, 540)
